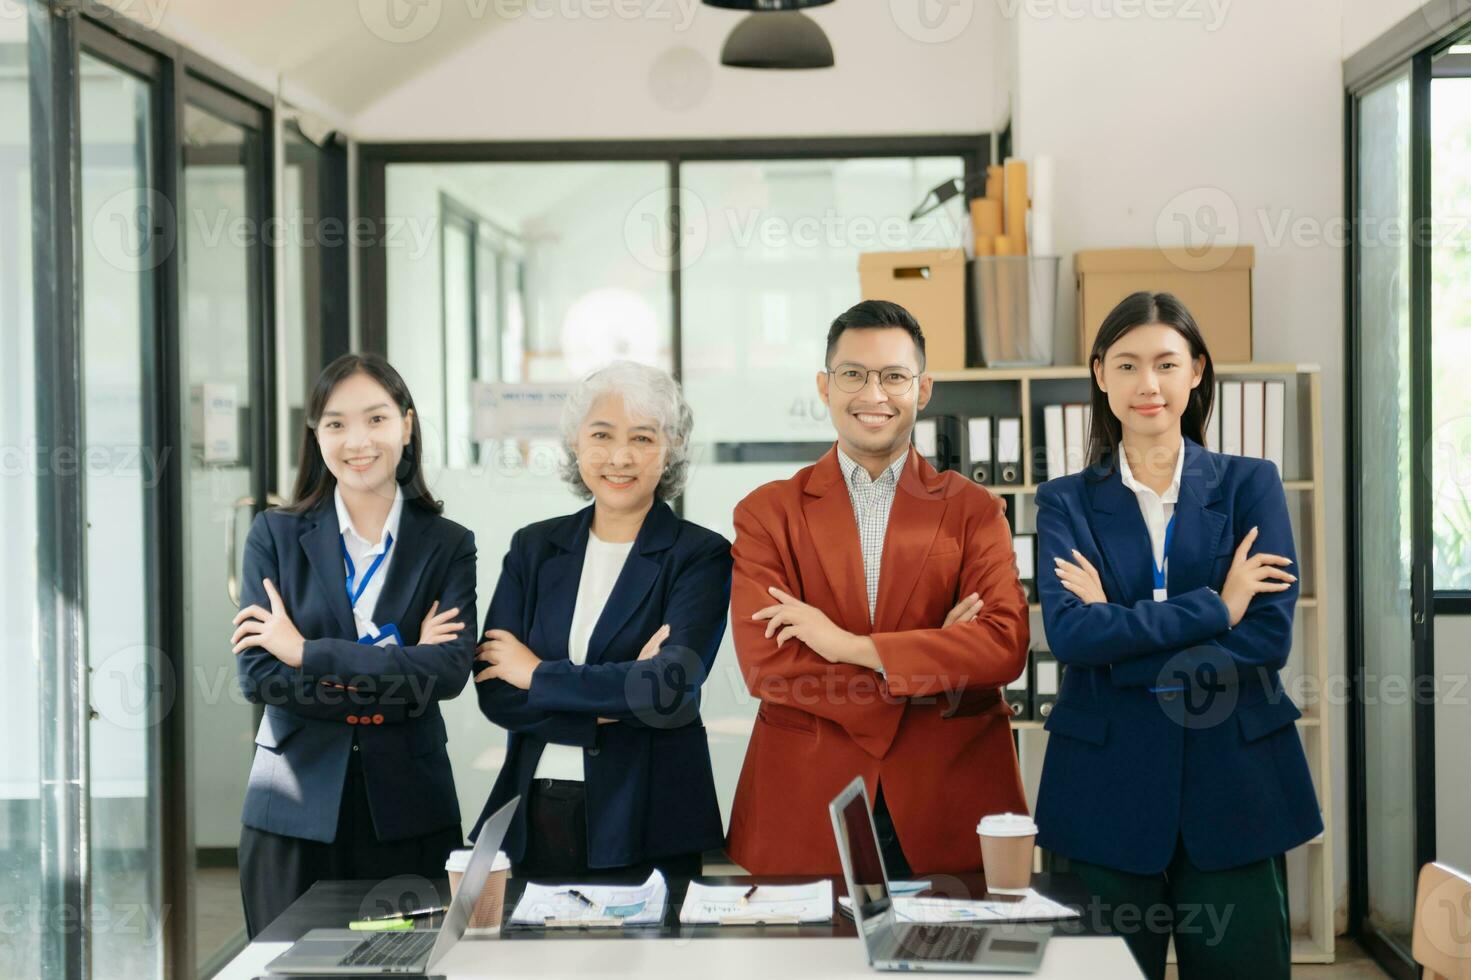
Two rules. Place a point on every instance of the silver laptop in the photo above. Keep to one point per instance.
(895, 945)
(341, 951)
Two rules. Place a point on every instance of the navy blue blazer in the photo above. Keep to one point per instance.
(650, 787)
(383, 701)
(1169, 722)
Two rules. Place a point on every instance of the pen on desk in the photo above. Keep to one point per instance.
(415, 914)
(747, 896)
(582, 898)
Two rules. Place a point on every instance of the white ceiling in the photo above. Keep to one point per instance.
(345, 53)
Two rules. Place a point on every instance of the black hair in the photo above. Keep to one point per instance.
(873, 314)
(314, 482)
(1137, 310)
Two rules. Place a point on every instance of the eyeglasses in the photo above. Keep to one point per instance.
(853, 378)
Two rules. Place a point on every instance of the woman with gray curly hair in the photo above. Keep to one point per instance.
(603, 626)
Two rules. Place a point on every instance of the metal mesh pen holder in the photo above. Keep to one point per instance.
(1013, 308)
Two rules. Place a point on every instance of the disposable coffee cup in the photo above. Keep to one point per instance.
(487, 911)
(1006, 850)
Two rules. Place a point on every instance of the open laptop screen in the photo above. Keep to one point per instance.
(872, 891)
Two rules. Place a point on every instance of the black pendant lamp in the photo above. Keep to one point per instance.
(776, 34)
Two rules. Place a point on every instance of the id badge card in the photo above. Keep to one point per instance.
(387, 637)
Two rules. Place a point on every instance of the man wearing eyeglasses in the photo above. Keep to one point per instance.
(876, 612)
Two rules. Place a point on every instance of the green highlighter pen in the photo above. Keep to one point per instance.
(381, 925)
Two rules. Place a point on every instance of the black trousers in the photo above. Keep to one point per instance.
(556, 838)
(1226, 924)
(896, 865)
(276, 870)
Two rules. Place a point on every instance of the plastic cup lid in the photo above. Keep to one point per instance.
(1006, 825)
(459, 861)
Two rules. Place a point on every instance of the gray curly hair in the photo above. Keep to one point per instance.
(646, 391)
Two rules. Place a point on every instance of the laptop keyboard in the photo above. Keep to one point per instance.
(391, 949)
(946, 944)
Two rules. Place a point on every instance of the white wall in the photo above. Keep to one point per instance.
(1239, 110)
(659, 76)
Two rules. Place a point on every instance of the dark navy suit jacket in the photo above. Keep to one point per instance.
(650, 788)
(312, 719)
(1169, 723)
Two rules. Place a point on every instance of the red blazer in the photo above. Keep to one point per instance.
(934, 727)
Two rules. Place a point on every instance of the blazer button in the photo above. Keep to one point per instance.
(377, 719)
(354, 746)
(593, 751)
(352, 719)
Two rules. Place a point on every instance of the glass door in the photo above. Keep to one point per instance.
(22, 838)
(225, 316)
(126, 236)
(1390, 590)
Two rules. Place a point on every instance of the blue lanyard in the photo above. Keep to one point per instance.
(1159, 570)
(1159, 586)
(353, 595)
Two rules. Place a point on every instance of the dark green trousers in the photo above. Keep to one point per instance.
(1228, 924)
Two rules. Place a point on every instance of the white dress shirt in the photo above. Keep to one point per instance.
(872, 500)
(601, 567)
(1157, 510)
(363, 552)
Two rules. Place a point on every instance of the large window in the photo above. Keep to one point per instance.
(1450, 305)
(544, 271)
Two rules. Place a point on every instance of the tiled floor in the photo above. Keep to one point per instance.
(219, 915)
(1351, 963)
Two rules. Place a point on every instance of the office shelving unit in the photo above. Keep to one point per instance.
(1023, 391)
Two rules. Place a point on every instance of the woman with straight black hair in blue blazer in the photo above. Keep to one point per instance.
(341, 636)
(603, 627)
(1174, 778)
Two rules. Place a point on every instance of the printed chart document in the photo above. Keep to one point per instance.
(585, 906)
(769, 904)
(1028, 906)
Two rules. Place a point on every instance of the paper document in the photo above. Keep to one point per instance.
(1028, 906)
(722, 905)
(612, 905)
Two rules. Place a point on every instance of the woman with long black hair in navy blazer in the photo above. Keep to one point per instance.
(1174, 778)
(341, 636)
(603, 626)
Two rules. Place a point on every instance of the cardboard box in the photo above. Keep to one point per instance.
(930, 285)
(1214, 285)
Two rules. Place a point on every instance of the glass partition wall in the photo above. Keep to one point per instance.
(135, 316)
(1409, 123)
(543, 270)
(21, 714)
